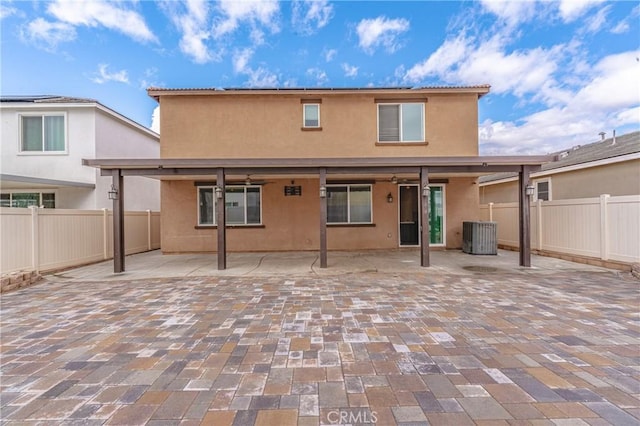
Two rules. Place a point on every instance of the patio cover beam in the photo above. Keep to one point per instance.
(200, 171)
(295, 165)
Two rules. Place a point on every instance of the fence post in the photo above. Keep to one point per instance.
(149, 230)
(490, 212)
(539, 219)
(35, 239)
(604, 227)
(105, 234)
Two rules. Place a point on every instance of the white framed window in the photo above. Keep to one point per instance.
(543, 190)
(402, 122)
(43, 133)
(28, 199)
(349, 204)
(311, 115)
(243, 205)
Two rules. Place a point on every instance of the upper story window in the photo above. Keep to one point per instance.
(402, 122)
(42, 133)
(311, 115)
(543, 190)
(349, 204)
(242, 205)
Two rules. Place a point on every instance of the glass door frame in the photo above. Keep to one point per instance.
(444, 215)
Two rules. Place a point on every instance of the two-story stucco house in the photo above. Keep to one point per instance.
(45, 138)
(309, 169)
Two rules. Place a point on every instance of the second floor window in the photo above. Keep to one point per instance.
(42, 133)
(401, 122)
(242, 205)
(311, 114)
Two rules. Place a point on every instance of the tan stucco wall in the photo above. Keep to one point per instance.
(292, 223)
(265, 126)
(506, 192)
(614, 179)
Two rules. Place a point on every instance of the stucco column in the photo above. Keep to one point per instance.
(220, 196)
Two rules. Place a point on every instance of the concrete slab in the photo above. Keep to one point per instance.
(154, 264)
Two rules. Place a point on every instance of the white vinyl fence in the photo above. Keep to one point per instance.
(606, 228)
(47, 239)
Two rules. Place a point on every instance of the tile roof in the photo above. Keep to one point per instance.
(581, 154)
(46, 99)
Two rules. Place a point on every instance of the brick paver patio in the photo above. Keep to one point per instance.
(409, 349)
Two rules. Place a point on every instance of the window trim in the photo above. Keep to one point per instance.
(304, 116)
(400, 138)
(538, 181)
(215, 202)
(348, 186)
(63, 114)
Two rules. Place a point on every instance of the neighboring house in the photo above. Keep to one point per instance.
(610, 166)
(45, 138)
(309, 169)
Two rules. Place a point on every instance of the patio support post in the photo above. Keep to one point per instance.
(118, 221)
(525, 214)
(323, 218)
(220, 196)
(425, 194)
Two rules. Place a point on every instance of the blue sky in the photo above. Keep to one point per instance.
(560, 71)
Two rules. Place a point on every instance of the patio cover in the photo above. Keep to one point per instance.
(165, 168)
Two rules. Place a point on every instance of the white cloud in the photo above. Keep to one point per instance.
(594, 23)
(241, 60)
(381, 32)
(623, 26)
(257, 77)
(192, 22)
(149, 78)
(155, 119)
(463, 60)
(104, 76)
(308, 16)
(350, 70)
(319, 76)
(97, 13)
(451, 52)
(6, 10)
(570, 10)
(608, 99)
(47, 35)
(511, 12)
(256, 13)
(329, 54)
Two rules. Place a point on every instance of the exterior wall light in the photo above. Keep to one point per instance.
(389, 198)
(394, 179)
(218, 193)
(323, 192)
(529, 190)
(113, 193)
(426, 192)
